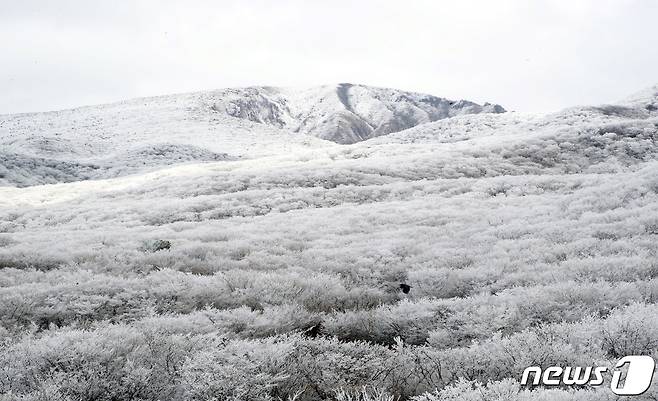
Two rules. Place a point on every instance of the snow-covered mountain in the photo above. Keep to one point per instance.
(143, 135)
(345, 113)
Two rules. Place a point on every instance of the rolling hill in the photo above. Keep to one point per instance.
(142, 135)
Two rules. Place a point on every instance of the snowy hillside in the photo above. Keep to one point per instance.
(233, 251)
(146, 134)
(130, 137)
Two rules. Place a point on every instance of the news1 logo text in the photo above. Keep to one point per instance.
(639, 373)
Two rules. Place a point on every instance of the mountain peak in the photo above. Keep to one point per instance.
(343, 113)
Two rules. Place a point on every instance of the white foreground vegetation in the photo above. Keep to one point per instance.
(183, 250)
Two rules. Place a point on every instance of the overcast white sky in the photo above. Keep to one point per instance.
(525, 55)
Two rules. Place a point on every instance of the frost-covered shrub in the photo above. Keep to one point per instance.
(237, 370)
(364, 394)
(408, 320)
(630, 331)
(113, 363)
(501, 357)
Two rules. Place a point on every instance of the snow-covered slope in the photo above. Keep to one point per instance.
(129, 137)
(647, 99)
(146, 134)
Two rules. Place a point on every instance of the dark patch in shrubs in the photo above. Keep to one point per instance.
(6, 241)
(25, 263)
(313, 331)
(602, 235)
(651, 229)
(405, 288)
(619, 111)
(156, 245)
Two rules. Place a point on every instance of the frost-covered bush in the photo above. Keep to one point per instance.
(113, 363)
(365, 394)
(237, 370)
(630, 331)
